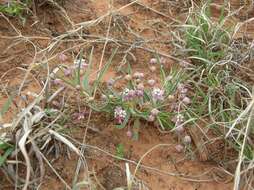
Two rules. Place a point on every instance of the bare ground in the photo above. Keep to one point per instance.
(136, 23)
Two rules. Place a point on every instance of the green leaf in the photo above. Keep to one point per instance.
(104, 70)
(6, 105)
(163, 74)
(136, 128)
(120, 151)
(85, 82)
(79, 67)
(5, 155)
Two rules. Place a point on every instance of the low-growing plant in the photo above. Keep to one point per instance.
(5, 150)
(205, 39)
(33, 126)
(221, 101)
(15, 8)
(132, 98)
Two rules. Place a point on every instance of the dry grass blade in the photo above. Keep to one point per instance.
(65, 141)
(243, 146)
(22, 146)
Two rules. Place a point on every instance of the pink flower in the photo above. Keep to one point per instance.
(67, 72)
(138, 75)
(62, 57)
(131, 94)
(129, 134)
(81, 62)
(110, 82)
(79, 115)
(157, 94)
(128, 94)
(139, 93)
(57, 81)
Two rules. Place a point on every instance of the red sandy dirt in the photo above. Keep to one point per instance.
(111, 173)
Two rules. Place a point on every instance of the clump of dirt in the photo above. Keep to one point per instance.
(112, 177)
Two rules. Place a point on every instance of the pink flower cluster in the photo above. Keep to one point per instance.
(154, 61)
(119, 114)
(77, 62)
(129, 94)
(82, 62)
(158, 94)
(186, 141)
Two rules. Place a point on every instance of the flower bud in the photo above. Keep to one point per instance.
(153, 61)
(110, 82)
(127, 77)
(155, 112)
(186, 100)
(78, 87)
(138, 80)
(187, 139)
(56, 103)
(67, 72)
(151, 82)
(184, 91)
(151, 118)
(170, 97)
(57, 81)
(152, 68)
(169, 77)
(62, 57)
(138, 75)
(140, 86)
(90, 99)
(103, 97)
(129, 134)
(163, 60)
(179, 148)
(179, 129)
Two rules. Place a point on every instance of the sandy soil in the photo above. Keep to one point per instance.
(147, 24)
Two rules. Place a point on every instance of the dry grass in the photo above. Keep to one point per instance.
(35, 128)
